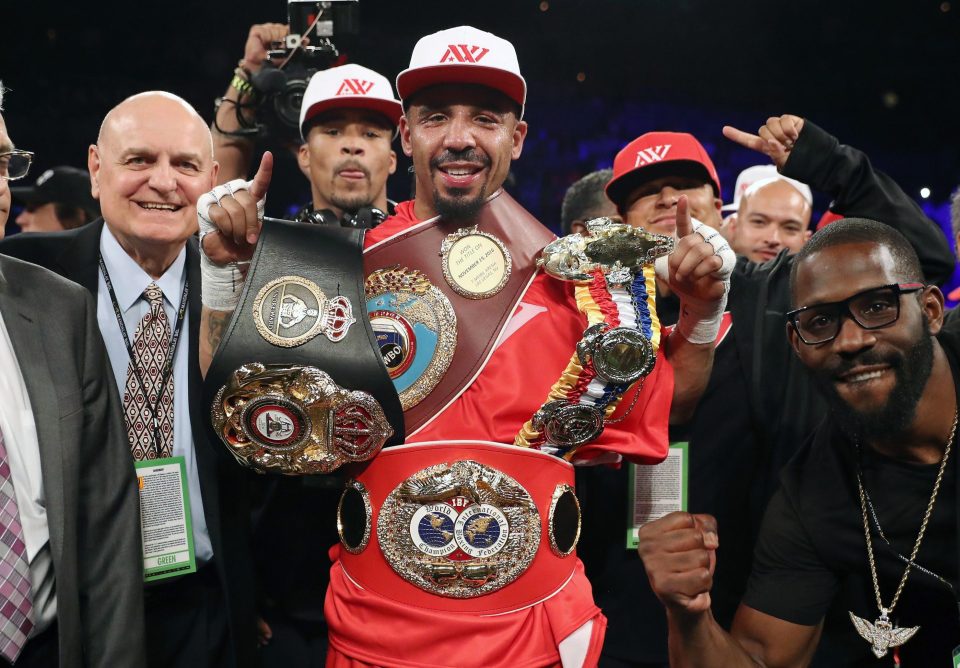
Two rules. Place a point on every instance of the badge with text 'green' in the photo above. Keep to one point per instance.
(656, 490)
(166, 529)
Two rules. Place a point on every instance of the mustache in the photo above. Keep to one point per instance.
(466, 155)
(865, 358)
(352, 165)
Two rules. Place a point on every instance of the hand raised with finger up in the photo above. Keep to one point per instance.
(230, 216)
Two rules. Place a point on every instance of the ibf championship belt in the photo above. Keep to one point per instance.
(297, 385)
(448, 526)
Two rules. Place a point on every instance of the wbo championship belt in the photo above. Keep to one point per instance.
(426, 280)
(297, 385)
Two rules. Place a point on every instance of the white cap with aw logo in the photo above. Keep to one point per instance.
(349, 87)
(464, 55)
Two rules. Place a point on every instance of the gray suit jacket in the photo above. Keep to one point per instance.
(89, 484)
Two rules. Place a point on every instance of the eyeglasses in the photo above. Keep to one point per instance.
(15, 164)
(871, 309)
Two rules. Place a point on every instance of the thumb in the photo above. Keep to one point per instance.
(261, 180)
(684, 224)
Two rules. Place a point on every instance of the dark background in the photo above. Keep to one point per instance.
(882, 76)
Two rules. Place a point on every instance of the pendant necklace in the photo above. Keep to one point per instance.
(882, 634)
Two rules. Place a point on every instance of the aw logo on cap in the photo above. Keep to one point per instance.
(464, 53)
(650, 155)
(354, 87)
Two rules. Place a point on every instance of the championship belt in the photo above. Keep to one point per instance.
(613, 271)
(297, 385)
(449, 525)
(439, 297)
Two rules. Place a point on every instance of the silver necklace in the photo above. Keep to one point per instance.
(882, 634)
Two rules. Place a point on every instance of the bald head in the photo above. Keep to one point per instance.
(160, 104)
(152, 161)
(773, 215)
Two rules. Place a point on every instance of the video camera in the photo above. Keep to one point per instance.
(279, 88)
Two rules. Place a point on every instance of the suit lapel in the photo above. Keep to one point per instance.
(78, 260)
(26, 335)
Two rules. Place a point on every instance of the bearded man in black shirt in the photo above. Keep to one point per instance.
(864, 527)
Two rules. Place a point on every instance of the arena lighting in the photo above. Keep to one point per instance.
(924, 192)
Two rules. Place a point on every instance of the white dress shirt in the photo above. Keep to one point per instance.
(129, 281)
(23, 456)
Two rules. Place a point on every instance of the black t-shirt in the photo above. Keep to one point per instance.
(811, 556)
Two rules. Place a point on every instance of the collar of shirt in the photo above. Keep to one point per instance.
(130, 280)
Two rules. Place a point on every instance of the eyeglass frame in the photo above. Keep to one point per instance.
(18, 151)
(900, 288)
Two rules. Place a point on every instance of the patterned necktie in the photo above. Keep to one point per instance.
(16, 606)
(151, 343)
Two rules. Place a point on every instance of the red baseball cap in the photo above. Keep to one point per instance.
(656, 154)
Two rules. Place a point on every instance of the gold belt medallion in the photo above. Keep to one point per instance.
(459, 530)
(296, 420)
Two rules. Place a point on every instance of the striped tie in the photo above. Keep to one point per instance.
(16, 606)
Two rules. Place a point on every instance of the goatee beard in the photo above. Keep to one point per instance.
(459, 208)
(457, 205)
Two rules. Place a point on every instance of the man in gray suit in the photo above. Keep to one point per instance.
(71, 593)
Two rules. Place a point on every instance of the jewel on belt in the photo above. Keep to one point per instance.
(613, 270)
(290, 310)
(296, 420)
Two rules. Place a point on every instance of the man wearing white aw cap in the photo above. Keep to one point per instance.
(458, 548)
(348, 120)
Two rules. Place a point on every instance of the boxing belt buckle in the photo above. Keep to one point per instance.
(295, 419)
(619, 250)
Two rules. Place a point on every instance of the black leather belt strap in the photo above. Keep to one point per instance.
(330, 257)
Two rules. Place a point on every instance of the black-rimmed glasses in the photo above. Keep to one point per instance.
(15, 164)
(871, 309)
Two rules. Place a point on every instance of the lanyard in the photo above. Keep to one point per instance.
(171, 349)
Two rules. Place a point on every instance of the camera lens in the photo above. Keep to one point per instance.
(287, 104)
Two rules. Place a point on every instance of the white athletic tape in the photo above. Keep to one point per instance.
(221, 285)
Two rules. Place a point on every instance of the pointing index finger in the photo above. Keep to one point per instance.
(745, 139)
(261, 180)
(684, 224)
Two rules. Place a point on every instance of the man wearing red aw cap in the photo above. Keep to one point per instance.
(653, 170)
(462, 582)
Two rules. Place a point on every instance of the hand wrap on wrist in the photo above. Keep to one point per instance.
(699, 320)
(221, 285)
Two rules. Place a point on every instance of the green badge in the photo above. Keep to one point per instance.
(165, 518)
